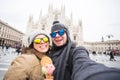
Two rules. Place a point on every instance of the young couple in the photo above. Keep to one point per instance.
(71, 62)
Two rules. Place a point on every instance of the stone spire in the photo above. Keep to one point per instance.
(30, 19)
(29, 24)
(102, 39)
(40, 14)
(71, 16)
(63, 9)
(80, 23)
(50, 9)
(80, 27)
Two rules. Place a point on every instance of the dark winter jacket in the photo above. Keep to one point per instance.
(73, 63)
(81, 67)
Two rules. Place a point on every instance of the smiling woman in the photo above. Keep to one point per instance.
(29, 66)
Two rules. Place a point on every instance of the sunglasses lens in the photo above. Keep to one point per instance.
(37, 41)
(61, 32)
(53, 34)
(45, 39)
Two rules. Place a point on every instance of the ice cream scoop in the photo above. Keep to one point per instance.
(47, 67)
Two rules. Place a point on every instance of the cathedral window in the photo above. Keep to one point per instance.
(56, 17)
(43, 27)
(74, 37)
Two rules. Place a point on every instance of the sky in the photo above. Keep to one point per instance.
(99, 17)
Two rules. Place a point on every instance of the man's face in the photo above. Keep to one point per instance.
(59, 40)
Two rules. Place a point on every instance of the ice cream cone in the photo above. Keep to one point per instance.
(47, 67)
(49, 76)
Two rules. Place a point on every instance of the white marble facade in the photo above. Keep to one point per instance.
(45, 23)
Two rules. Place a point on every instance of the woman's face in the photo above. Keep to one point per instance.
(41, 43)
(59, 40)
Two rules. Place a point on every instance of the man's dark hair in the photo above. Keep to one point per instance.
(55, 22)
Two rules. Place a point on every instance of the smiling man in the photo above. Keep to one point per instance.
(73, 63)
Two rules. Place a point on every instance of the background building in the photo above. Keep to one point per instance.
(104, 47)
(9, 36)
(76, 32)
(45, 23)
(13, 37)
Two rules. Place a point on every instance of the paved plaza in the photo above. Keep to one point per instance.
(104, 59)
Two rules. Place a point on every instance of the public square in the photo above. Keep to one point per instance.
(5, 61)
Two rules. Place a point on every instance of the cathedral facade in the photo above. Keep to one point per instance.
(44, 23)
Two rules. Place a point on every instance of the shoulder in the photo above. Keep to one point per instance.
(26, 59)
(80, 50)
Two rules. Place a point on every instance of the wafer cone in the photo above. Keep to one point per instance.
(47, 67)
(49, 76)
(46, 60)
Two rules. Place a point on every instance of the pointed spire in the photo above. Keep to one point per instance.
(71, 16)
(63, 9)
(80, 23)
(40, 14)
(30, 23)
(30, 19)
(50, 8)
(102, 39)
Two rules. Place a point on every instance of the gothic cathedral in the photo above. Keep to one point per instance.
(44, 23)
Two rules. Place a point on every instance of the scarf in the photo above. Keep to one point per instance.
(60, 57)
(60, 54)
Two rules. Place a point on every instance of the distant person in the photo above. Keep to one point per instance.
(28, 66)
(18, 50)
(112, 58)
(94, 53)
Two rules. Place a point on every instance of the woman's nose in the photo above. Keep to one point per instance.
(42, 41)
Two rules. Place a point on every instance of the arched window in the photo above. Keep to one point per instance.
(43, 27)
(74, 37)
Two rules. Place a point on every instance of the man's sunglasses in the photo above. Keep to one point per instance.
(38, 40)
(60, 32)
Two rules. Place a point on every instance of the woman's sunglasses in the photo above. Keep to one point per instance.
(38, 40)
(60, 32)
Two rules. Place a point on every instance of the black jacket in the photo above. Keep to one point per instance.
(81, 67)
(73, 63)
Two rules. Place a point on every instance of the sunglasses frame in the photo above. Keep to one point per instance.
(41, 39)
(60, 32)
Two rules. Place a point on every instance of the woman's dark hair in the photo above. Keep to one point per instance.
(31, 45)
